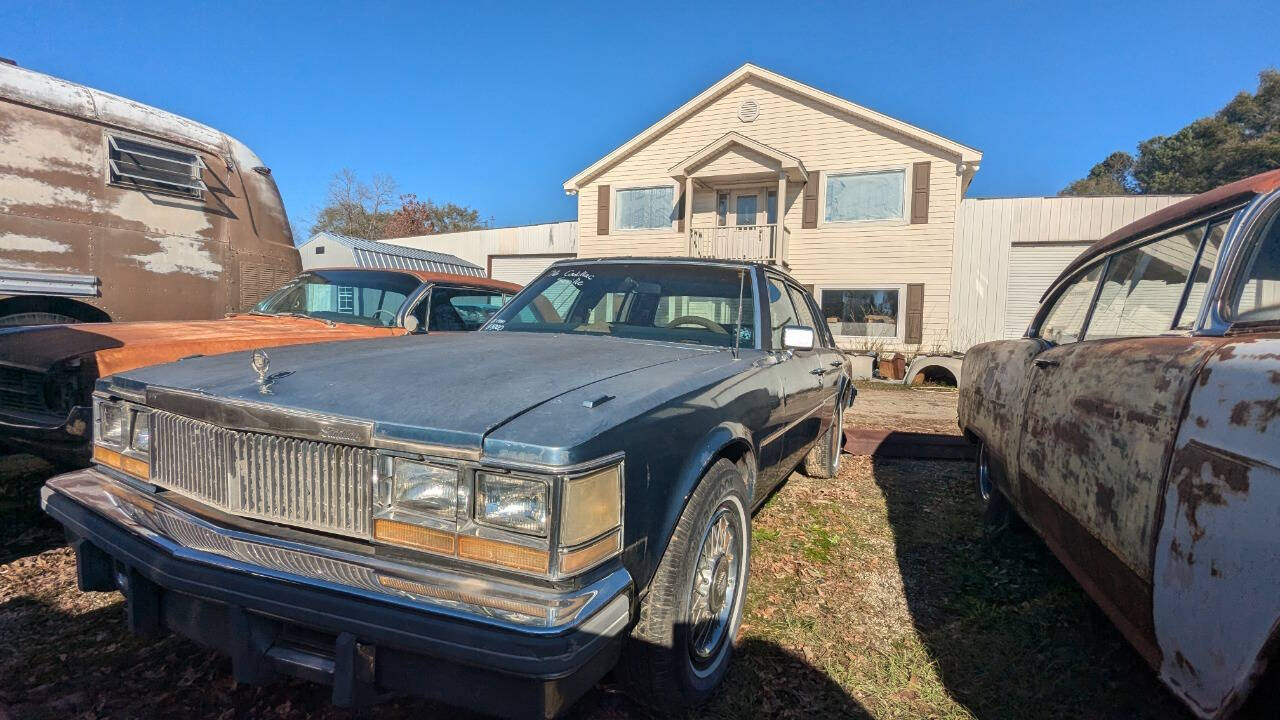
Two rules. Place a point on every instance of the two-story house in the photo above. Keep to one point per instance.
(856, 204)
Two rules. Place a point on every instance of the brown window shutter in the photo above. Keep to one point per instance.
(915, 314)
(602, 210)
(920, 193)
(809, 218)
(680, 209)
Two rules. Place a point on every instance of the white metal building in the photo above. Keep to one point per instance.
(1008, 250)
(330, 250)
(513, 254)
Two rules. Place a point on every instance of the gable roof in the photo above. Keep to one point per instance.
(374, 254)
(964, 153)
(790, 163)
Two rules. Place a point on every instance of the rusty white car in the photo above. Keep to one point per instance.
(1136, 428)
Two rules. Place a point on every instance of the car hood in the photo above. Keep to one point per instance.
(444, 390)
(117, 347)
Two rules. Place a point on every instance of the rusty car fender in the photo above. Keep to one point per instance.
(1216, 570)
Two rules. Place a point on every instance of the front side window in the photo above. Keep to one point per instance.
(853, 197)
(349, 296)
(1064, 321)
(458, 309)
(804, 313)
(862, 312)
(1143, 286)
(1200, 279)
(648, 208)
(782, 312)
(1257, 297)
(648, 301)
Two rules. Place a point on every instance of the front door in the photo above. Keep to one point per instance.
(1100, 421)
(746, 207)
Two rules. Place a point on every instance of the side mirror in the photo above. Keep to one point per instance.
(795, 337)
(411, 324)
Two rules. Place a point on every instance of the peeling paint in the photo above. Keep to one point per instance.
(28, 243)
(175, 254)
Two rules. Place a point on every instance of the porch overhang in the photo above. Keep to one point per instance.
(769, 160)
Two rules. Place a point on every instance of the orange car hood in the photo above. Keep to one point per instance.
(117, 347)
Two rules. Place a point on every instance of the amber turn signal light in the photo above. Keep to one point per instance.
(135, 467)
(414, 536)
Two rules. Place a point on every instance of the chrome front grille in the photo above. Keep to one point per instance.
(303, 483)
(21, 390)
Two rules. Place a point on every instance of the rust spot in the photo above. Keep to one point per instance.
(1274, 376)
(1259, 412)
(1105, 498)
(1201, 421)
(1194, 490)
(1213, 569)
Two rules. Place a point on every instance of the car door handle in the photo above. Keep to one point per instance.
(837, 363)
(1046, 363)
(817, 371)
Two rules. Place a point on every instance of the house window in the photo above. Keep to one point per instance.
(722, 209)
(647, 208)
(146, 166)
(853, 197)
(862, 312)
(319, 249)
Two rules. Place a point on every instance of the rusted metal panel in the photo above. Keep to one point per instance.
(1216, 573)
(992, 399)
(156, 255)
(1099, 427)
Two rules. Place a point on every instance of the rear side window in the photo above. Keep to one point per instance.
(1065, 319)
(1257, 297)
(1143, 287)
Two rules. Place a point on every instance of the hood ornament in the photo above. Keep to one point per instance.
(260, 361)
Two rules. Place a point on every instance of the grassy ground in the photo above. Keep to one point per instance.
(872, 595)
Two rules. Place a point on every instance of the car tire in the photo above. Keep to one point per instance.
(823, 460)
(680, 647)
(996, 512)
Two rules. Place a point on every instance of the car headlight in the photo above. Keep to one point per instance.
(141, 437)
(514, 503)
(424, 488)
(111, 417)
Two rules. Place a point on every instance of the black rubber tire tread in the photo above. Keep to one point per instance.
(817, 462)
(652, 668)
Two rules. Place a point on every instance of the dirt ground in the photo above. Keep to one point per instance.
(881, 406)
(876, 594)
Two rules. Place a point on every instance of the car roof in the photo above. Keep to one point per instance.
(435, 277)
(1203, 204)
(677, 260)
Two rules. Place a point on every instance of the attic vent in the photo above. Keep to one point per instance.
(748, 111)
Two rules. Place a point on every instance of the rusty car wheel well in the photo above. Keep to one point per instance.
(82, 312)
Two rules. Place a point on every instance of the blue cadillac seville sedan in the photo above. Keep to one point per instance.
(491, 519)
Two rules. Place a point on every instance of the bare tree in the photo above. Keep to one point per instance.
(354, 207)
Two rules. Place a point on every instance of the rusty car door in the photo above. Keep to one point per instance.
(1217, 572)
(1101, 418)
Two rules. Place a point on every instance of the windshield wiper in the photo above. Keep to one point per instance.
(326, 321)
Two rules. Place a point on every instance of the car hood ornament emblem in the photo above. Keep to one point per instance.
(260, 361)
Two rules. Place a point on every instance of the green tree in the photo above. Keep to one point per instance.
(1241, 139)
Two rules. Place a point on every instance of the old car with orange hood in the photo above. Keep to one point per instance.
(47, 372)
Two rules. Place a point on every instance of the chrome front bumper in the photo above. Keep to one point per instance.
(230, 588)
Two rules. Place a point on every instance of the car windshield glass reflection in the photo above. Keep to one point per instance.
(347, 296)
(699, 305)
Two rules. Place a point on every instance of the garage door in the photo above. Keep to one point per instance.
(520, 269)
(1032, 266)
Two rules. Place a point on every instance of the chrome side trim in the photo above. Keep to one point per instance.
(783, 431)
(473, 598)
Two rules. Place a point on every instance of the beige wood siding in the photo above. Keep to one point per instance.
(836, 255)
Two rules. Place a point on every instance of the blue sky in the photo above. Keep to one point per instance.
(495, 105)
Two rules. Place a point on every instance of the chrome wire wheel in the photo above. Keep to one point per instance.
(985, 489)
(715, 593)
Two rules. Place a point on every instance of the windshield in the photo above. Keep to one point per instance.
(649, 301)
(348, 296)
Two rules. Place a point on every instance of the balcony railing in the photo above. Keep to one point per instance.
(764, 243)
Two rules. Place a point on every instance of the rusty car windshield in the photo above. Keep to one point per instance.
(651, 301)
(361, 297)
